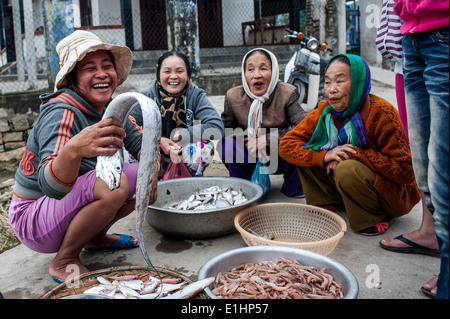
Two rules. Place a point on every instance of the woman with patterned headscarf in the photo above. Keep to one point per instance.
(183, 105)
(352, 151)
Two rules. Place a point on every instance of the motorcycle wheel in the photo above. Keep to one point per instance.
(301, 87)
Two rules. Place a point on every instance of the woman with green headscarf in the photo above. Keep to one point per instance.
(352, 153)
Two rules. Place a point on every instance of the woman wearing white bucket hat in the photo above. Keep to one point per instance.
(58, 204)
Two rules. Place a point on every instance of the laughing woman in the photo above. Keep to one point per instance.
(352, 150)
(272, 104)
(182, 104)
(58, 203)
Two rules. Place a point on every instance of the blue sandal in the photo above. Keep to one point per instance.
(124, 242)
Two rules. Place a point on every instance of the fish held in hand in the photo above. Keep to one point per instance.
(108, 166)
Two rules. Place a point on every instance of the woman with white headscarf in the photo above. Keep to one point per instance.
(265, 109)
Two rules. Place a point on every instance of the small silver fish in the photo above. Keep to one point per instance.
(133, 284)
(211, 198)
(128, 292)
(191, 290)
(97, 290)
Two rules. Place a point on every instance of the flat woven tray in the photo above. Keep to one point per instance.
(85, 281)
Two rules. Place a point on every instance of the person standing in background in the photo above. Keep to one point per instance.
(389, 43)
(426, 76)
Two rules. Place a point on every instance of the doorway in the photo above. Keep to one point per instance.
(153, 22)
(210, 23)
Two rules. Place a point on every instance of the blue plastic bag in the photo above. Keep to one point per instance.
(260, 177)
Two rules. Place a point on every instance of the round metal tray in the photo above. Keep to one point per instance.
(201, 223)
(254, 254)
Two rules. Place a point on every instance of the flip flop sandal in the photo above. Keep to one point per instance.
(124, 242)
(428, 293)
(414, 249)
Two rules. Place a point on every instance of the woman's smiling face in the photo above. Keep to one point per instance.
(173, 74)
(258, 73)
(95, 79)
(338, 84)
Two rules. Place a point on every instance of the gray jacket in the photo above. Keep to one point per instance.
(63, 114)
(202, 120)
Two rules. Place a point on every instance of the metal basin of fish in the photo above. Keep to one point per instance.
(205, 223)
(255, 254)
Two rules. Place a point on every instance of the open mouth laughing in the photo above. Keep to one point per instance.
(101, 86)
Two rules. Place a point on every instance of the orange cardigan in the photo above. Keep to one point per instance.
(387, 154)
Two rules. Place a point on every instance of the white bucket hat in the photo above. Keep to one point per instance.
(74, 48)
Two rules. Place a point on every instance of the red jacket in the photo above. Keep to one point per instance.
(388, 153)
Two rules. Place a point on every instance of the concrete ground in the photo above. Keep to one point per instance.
(24, 273)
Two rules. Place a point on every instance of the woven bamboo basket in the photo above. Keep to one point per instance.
(79, 284)
(293, 225)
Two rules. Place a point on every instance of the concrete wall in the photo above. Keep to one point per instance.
(370, 17)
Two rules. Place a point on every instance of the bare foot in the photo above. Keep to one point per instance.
(66, 269)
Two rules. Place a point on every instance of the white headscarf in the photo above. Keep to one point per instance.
(255, 112)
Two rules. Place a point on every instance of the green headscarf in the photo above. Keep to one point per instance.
(326, 135)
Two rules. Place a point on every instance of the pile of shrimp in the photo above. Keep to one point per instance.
(277, 279)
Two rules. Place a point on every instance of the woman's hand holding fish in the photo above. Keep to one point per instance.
(95, 139)
(90, 142)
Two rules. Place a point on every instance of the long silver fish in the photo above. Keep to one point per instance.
(109, 168)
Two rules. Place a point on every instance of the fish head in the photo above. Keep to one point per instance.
(109, 169)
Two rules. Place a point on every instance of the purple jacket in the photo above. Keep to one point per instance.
(422, 15)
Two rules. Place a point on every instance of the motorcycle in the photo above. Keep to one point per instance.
(306, 69)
